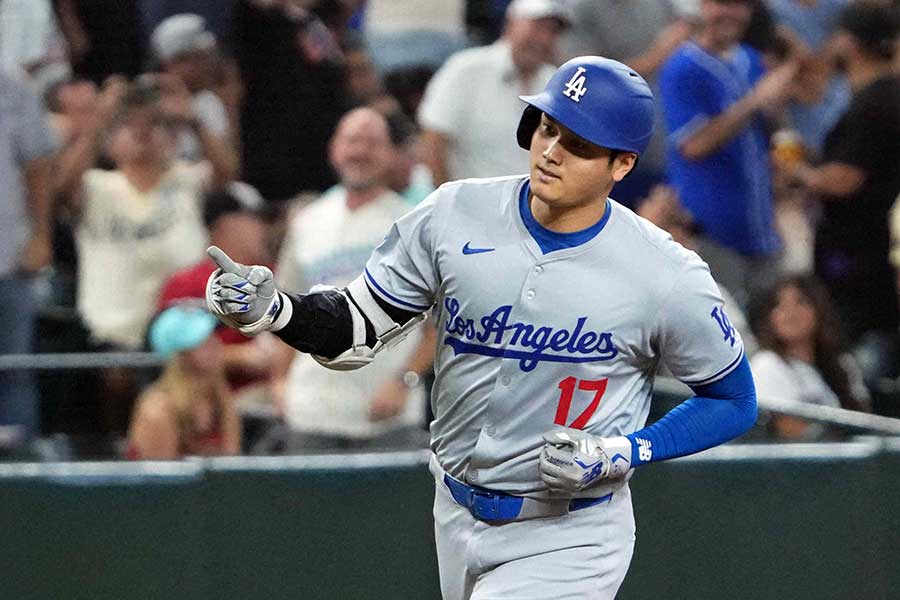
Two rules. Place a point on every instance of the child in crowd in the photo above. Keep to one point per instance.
(188, 411)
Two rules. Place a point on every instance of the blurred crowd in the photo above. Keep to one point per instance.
(292, 133)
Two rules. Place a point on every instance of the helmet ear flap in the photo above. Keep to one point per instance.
(531, 118)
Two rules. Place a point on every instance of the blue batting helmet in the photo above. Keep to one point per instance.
(599, 99)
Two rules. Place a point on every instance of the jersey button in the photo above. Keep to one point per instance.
(530, 294)
(490, 430)
(539, 269)
(505, 380)
(472, 476)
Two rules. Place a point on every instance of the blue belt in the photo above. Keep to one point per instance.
(490, 505)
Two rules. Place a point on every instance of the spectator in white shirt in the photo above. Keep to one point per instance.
(802, 356)
(328, 241)
(30, 40)
(471, 106)
(138, 223)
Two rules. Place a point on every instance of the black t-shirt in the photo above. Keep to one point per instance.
(117, 44)
(294, 97)
(853, 236)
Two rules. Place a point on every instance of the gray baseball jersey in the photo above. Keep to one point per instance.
(529, 340)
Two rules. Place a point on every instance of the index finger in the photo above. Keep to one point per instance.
(224, 261)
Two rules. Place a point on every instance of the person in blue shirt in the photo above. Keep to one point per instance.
(715, 94)
(813, 24)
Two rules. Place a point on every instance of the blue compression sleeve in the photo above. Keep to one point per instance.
(720, 411)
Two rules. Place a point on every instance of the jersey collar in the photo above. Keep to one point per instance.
(552, 241)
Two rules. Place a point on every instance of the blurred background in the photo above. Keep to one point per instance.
(291, 133)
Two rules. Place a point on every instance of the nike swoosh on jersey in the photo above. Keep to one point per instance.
(467, 250)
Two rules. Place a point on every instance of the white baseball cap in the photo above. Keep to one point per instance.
(180, 34)
(540, 9)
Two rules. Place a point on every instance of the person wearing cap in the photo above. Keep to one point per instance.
(188, 411)
(471, 103)
(235, 220)
(716, 96)
(858, 178)
(187, 53)
(555, 307)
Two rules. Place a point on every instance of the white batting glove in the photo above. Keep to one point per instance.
(573, 460)
(243, 297)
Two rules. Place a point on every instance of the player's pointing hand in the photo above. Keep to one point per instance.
(241, 296)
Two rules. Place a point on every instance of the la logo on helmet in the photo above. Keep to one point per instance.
(575, 87)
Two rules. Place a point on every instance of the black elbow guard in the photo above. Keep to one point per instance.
(320, 324)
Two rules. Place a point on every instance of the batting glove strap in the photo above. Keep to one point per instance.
(619, 451)
(276, 316)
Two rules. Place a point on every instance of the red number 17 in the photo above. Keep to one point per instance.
(567, 387)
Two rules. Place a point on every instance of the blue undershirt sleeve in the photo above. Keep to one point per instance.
(719, 412)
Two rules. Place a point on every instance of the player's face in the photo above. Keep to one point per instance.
(569, 171)
(793, 318)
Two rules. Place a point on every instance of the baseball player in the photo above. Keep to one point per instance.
(555, 307)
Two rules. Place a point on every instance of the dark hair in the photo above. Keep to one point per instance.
(761, 33)
(226, 201)
(874, 24)
(828, 338)
(143, 92)
(407, 85)
(400, 127)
